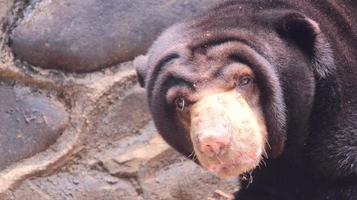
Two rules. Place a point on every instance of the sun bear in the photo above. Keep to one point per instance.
(265, 90)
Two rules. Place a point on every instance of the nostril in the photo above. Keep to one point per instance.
(221, 146)
(214, 146)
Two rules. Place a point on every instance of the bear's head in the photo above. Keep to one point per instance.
(227, 89)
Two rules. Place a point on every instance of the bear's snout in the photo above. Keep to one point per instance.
(227, 136)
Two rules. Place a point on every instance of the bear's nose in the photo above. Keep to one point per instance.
(214, 146)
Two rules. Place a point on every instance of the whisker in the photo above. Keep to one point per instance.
(193, 155)
(267, 142)
(248, 177)
(265, 154)
(263, 161)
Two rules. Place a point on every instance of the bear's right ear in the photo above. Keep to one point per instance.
(307, 34)
(140, 64)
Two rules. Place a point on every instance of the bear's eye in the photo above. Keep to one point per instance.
(244, 81)
(181, 103)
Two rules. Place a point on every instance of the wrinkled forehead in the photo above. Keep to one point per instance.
(203, 50)
(216, 65)
(211, 57)
(207, 70)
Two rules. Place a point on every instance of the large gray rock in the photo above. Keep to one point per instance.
(30, 121)
(123, 116)
(86, 35)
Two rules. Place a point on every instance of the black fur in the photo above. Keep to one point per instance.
(304, 54)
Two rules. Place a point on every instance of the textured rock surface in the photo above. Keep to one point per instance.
(81, 186)
(127, 164)
(130, 114)
(5, 6)
(109, 148)
(30, 122)
(183, 181)
(86, 35)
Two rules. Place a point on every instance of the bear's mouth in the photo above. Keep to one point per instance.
(241, 164)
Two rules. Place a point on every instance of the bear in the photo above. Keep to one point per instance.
(262, 90)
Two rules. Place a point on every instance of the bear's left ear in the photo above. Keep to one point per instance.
(140, 64)
(307, 34)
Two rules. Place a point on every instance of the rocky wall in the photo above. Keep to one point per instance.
(74, 123)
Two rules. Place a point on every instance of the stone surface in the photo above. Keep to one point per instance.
(120, 157)
(182, 181)
(127, 164)
(78, 185)
(128, 114)
(30, 188)
(30, 121)
(87, 35)
(5, 6)
(118, 154)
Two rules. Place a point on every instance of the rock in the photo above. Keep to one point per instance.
(125, 116)
(30, 122)
(87, 35)
(128, 164)
(146, 152)
(182, 180)
(120, 190)
(111, 180)
(5, 6)
(89, 185)
(29, 191)
(119, 155)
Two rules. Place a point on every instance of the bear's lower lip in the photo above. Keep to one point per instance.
(221, 168)
(234, 167)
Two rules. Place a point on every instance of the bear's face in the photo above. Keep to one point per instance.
(217, 104)
(224, 92)
(225, 124)
(209, 107)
